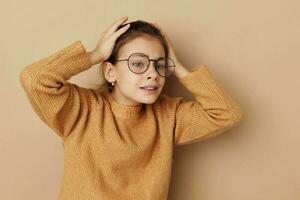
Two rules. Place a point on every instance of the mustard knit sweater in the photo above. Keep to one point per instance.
(118, 152)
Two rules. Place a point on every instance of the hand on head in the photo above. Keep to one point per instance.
(107, 41)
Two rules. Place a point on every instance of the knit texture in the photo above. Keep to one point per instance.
(113, 151)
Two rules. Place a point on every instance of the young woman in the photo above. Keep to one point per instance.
(119, 139)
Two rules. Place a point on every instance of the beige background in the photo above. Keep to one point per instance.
(252, 48)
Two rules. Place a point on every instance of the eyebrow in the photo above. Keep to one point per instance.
(145, 54)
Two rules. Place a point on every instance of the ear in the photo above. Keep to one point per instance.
(109, 71)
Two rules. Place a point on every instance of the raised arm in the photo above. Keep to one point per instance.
(213, 112)
(59, 103)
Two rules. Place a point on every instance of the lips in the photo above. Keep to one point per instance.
(149, 89)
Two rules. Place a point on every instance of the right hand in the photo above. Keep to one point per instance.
(106, 43)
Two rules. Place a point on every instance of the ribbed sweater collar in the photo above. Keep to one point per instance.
(124, 111)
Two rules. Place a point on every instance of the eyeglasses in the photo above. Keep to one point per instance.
(138, 63)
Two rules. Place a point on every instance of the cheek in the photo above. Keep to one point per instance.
(129, 81)
(162, 82)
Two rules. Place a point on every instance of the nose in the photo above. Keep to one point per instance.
(151, 72)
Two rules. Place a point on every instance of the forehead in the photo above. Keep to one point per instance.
(146, 45)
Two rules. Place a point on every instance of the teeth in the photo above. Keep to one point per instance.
(149, 88)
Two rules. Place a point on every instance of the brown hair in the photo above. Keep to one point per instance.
(137, 29)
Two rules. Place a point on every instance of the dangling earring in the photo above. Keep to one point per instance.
(111, 86)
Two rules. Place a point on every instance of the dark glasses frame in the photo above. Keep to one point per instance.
(155, 61)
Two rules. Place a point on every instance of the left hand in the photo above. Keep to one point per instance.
(171, 49)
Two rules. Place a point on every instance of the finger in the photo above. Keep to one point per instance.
(160, 29)
(110, 29)
(157, 26)
(116, 24)
(121, 31)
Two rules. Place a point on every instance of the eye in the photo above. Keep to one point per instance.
(138, 64)
(160, 66)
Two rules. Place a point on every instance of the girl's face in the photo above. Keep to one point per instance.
(127, 89)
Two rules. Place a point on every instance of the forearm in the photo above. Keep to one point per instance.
(211, 95)
(93, 58)
(57, 68)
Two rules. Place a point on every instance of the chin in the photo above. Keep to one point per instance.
(149, 100)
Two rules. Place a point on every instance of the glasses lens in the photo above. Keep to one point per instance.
(165, 66)
(138, 63)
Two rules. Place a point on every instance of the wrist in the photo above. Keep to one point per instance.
(180, 71)
(93, 58)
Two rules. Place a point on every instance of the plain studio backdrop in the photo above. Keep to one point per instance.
(251, 47)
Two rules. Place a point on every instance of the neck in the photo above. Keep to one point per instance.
(121, 99)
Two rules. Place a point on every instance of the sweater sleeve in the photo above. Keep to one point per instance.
(60, 104)
(212, 113)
